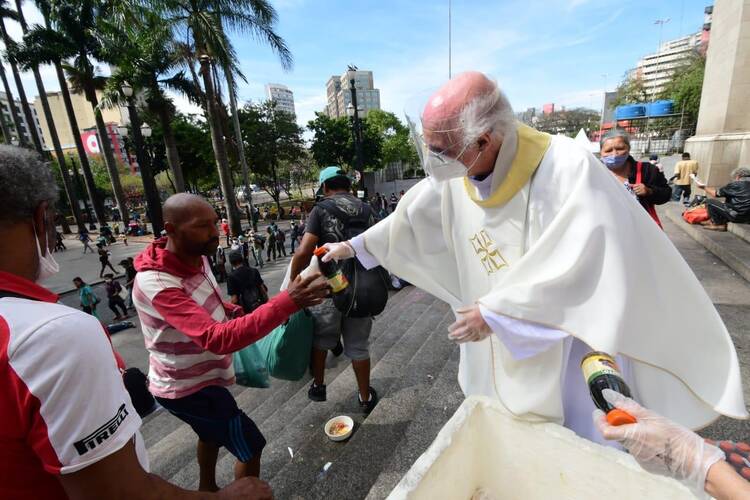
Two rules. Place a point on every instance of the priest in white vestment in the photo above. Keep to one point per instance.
(545, 257)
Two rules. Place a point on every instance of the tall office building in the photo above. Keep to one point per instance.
(24, 125)
(656, 69)
(282, 95)
(339, 94)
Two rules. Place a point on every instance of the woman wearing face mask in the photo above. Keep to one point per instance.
(642, 179)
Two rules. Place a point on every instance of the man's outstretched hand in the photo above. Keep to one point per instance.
(309, 291)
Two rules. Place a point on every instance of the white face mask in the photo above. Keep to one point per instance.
(48, 266)
(441, 168)
(438, 167)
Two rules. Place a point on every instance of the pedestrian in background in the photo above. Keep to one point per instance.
(83, 237)
(88, 298)
(221, 264)
(270, 243)
(280, 240)
(130, 273)
(682, 172)
(59, 244)
(245, 286)
(104, 260)
(225, 230)
(114, 301)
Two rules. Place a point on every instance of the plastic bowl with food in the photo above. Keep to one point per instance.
(339, 428)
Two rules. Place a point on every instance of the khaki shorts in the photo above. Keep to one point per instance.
(331, 325)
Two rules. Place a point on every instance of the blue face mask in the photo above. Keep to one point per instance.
(614, 162)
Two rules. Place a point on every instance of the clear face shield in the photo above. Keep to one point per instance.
(437, 164)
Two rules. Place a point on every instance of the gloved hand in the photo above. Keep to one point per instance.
(470, 326)
(338, 251)
(660, 445)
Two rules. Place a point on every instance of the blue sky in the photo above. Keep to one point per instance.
(538, 51)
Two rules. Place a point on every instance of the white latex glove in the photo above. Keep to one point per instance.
(470, 326)
(660, 445)
(338, 251)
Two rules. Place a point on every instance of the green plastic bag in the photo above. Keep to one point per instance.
(250, 367)
(287, 348)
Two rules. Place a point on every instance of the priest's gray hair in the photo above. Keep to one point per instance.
(490, 112)
(25, 182)
(613, 134)
(741, 172)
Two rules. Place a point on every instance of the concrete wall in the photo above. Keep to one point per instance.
(722, 140)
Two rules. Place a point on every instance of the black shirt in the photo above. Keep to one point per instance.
(737, 194)
(327, 227)
(130, 273)
(243, 278)
(653, 179)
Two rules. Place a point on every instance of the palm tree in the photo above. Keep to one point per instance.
(204, 22)
(73, 38)
(7, 13)
(41, 46)
(145, 54)
(67, 183)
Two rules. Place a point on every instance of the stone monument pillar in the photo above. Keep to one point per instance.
(722, 137)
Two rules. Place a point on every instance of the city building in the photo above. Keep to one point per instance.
(548, 108)
(283, 97)
(333, 89)
(339, 96)
(656, 69)
(86, 122)
(24, 125)
(529, 117)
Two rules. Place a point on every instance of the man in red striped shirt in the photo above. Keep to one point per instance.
(68, 429)
(191, 333)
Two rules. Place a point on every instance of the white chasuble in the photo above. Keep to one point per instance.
(560, 244)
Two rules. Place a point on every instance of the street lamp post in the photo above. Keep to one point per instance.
(153, 202)
(353, 111)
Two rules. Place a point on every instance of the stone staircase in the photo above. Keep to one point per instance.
(414, 368)
(732, 246)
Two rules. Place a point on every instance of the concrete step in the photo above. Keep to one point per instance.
(171, 443)
(359, 463)
(741, 230)
(727, 246)
(438, 406)
(302, 420)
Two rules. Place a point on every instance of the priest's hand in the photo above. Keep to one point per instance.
(470, 326)
(338, 251)
(658, 444)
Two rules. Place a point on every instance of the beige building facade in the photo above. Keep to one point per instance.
(722, 140)
(84, 114)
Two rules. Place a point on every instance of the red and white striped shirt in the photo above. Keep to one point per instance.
(187, 326)
(63, 405)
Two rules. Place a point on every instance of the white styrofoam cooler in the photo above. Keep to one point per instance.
(483, 449)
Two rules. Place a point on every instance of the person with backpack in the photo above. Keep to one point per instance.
(245, 287)
(336, 218)
(113, 288)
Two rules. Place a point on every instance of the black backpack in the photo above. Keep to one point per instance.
(367, 293)
(251, 299)
(136, 383)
